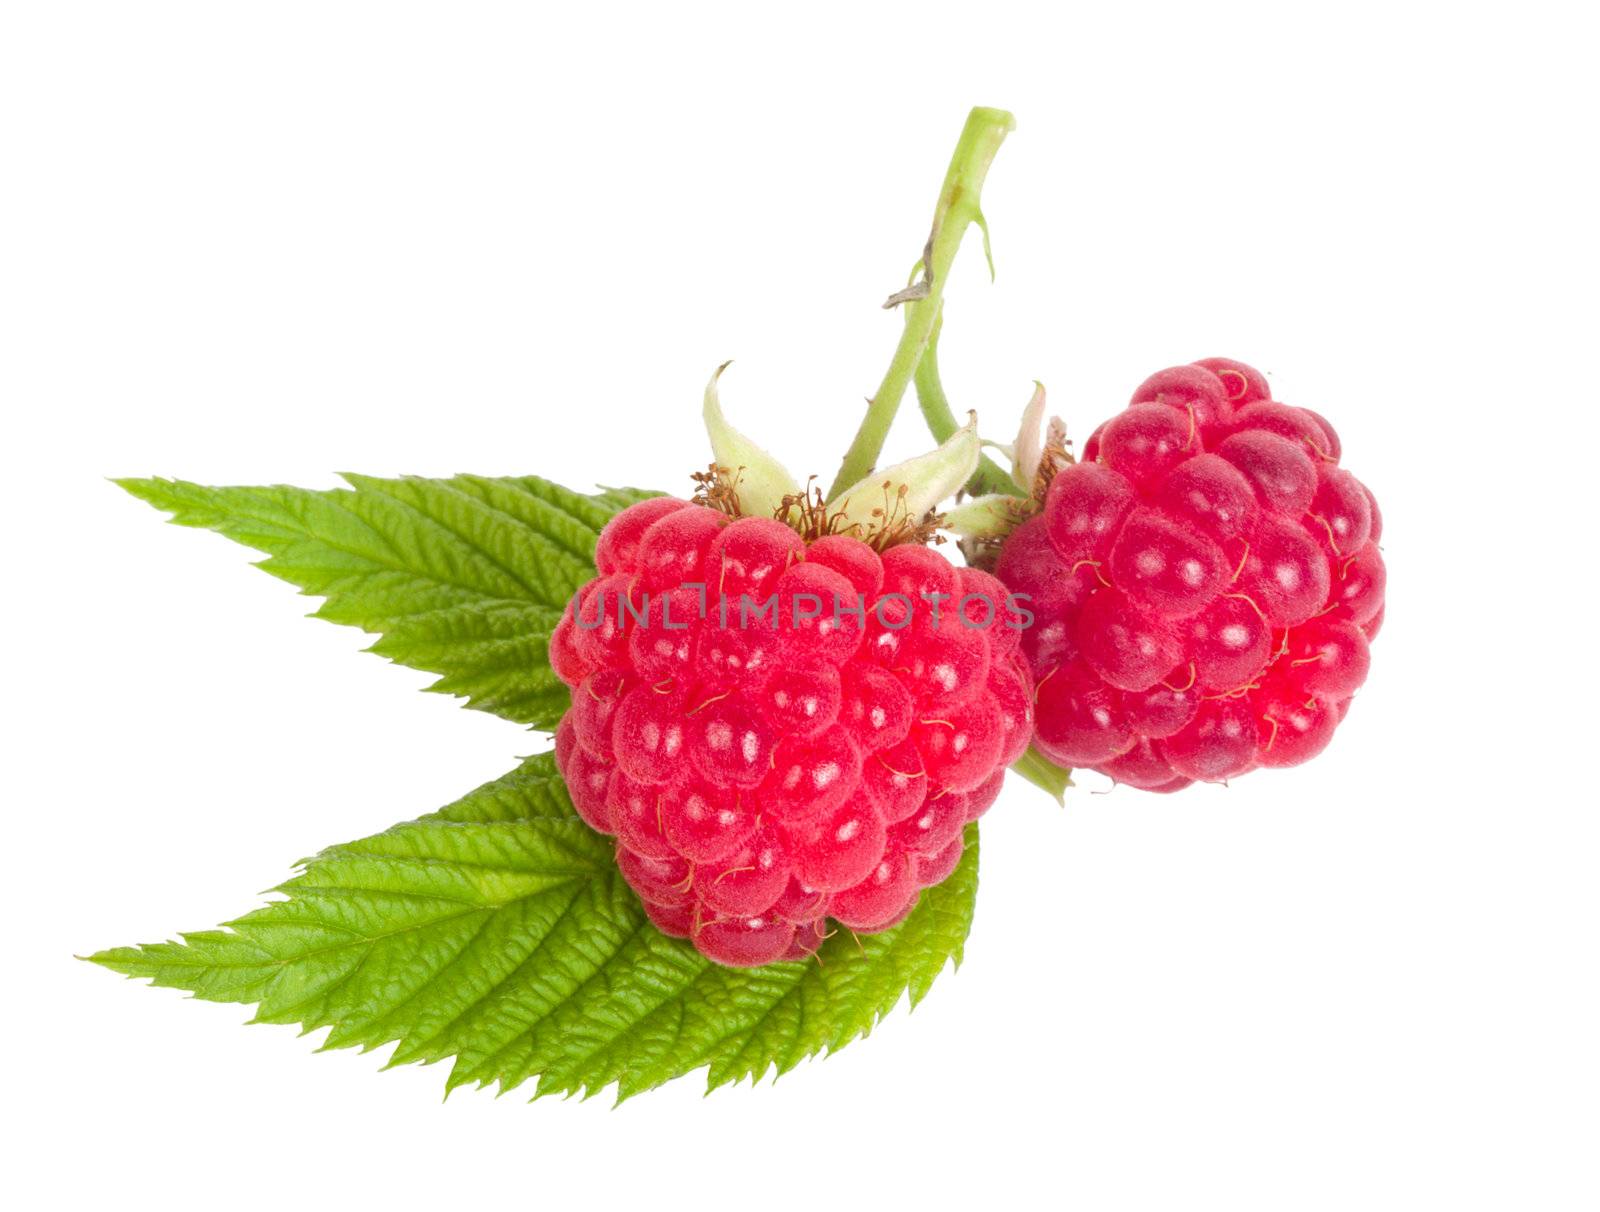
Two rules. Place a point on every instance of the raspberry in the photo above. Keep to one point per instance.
(618, 546)
(1194, 390)
(803, 698)
(704, 822)
(1211, 494)
(1205, 586)
(1244, 384)
(841, 848)
(766, 761)
(1085, 509)
(1145, 442)
(1278, 468)
(898, 780)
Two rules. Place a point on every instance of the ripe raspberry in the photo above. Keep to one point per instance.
(1205, 585)
(764, 760)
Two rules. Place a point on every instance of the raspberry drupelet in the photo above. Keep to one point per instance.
(779, 732)
(1205, 584)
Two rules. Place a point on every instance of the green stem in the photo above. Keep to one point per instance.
(942, 421)
(958, 207)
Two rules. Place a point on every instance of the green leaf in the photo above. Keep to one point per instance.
(464, 577)
(498, 931)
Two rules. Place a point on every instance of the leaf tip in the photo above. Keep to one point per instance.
(115, 959)
(145, 488)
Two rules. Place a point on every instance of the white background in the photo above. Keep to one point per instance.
(258, 243)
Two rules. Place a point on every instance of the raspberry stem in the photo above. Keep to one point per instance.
(958, 207)
(989, 478)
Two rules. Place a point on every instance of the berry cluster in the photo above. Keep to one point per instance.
(1206, 582)
(766, 769)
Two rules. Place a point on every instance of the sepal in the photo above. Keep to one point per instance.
(757, 479)
(905, 493)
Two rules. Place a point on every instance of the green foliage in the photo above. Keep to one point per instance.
(464, 577)
(498, 931)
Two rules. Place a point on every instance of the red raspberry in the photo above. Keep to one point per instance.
(764, 760)
(1205, 585)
